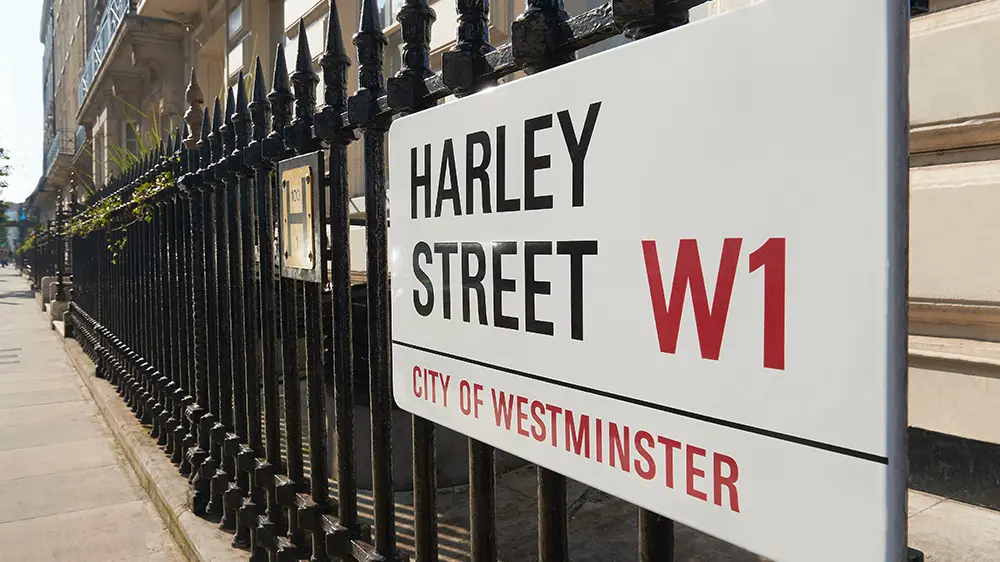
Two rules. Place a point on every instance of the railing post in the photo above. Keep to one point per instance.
(462, 69)
(363, 110)
(406, 93)
(299, 136)
(273, 150)
(330, 128)
(198, 415)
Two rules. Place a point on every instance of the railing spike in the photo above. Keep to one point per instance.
(228, 129)
(304, 84)
(258, 106)
(215, 136)
(240, 113)
(362, 107)
(280, 96)
(303, 58)
(335, 63)
(205, 140)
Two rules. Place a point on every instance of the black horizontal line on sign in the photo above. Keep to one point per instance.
(653, 406)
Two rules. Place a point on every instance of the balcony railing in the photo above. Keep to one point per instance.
(112, 18)
(81, 139)
(62, 143)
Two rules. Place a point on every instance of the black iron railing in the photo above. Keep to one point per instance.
(192, 323)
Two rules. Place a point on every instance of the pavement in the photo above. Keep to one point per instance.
(65, 492)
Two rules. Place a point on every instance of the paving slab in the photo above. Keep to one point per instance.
(55, 459)
(49, 432)
(49, 494)
(66, 493)
(951, 531)
(127, 531)
(36, 385)
(20, 376)
(35, 413)
(35, 398)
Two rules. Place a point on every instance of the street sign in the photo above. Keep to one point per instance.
(676, 271)
(300, 198)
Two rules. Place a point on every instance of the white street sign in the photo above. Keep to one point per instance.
(676, 271)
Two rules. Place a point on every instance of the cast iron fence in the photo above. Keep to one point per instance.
(193, 324)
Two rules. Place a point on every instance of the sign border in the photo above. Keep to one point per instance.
(315, 162)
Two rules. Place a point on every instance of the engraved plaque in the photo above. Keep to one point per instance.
(299, 204)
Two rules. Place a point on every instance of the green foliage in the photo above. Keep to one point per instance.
(26, 245)
(113, 214)
(4, 168)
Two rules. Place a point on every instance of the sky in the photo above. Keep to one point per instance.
(21, 95)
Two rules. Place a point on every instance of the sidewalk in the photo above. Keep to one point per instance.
(65, 493)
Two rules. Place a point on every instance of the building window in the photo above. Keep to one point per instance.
(295, 9)
(236, 20)
(131, 138)
(98, 161)
(235, 59)
(314, 32)
(291, 47)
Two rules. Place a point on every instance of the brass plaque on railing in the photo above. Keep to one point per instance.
(300, 196)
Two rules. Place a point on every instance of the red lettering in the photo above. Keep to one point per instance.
(620, 444)
(671, 446)
(445, 381)
(710, 321)
(642, 440)
(521, 416)
(554, 411)
(578, 438)
(465, 396)
(693, 471)
(477, 388)
(537, 411)
(771, 256)
(600, 441)
(416, 388)
(727, 481)
(502, 407)
(434, 390)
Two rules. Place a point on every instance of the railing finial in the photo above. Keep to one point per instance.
(641, 18)
(215, 137)
(304, 85)
(362, 107)
(335, 63)
(406, 90)
(205, 142)
(280, 96)
(462, 66)
(228, 128)
(240, 113)
(193, 115)
(258, 105)
(535, 33)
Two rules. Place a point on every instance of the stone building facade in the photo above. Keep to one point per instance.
(63, 34)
